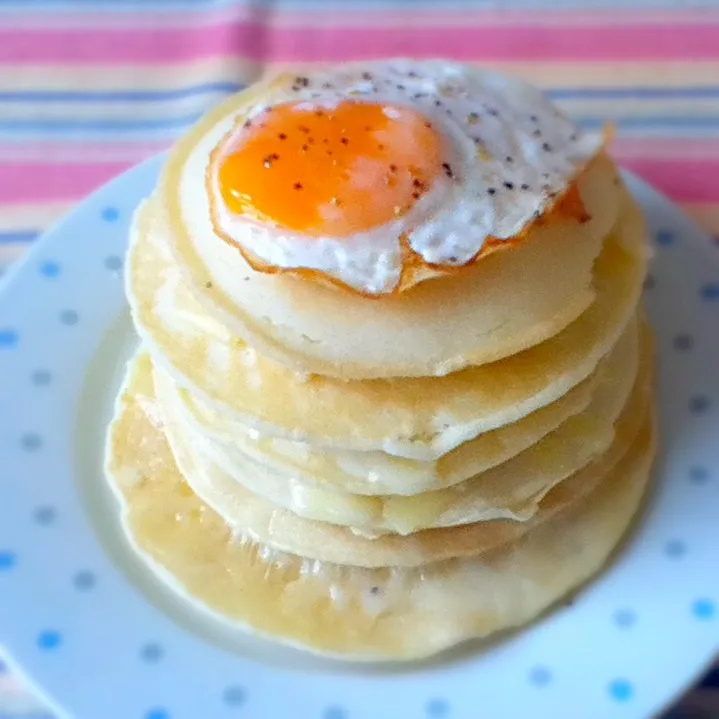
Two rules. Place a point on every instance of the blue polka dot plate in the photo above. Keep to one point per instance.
(90, 628)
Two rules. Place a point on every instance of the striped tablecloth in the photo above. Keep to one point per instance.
(90, 87)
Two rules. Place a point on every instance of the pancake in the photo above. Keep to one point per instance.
(256, 518)
(418, 418)
(378, 473)
(358, 613)
(510, 490)
(502, 305)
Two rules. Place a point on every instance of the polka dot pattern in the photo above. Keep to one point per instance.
(699, 475)
(113, 263)
(665, 238)
(151, 653)
(84, 580)
(625, 618)
(110, 214)
(69, 317)
(234, 696)
(49, 269)
(675, 548)
(157, 713)
(8, 338)
(41, 378)
(49, 640)
(710, 291)
(31, 442)
(621, 690)
(46, 517)
(703, 609)
(683, 342)
(699, 404)
(540, 676)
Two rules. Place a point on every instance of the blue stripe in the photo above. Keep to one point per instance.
(569, 93)
(64, 125)
(19, 237)
(634, 93)
(119, 95)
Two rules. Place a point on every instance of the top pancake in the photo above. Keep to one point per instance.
(506, 302)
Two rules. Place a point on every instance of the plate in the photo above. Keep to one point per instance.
(99, 636)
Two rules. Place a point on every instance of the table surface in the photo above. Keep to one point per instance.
(89, 88)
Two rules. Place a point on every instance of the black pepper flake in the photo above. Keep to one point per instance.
(417, 183)
(509, 185)
(247, 123)
(319, 113)
(416, 195)
(428, 125)
(297, 186)
(344, 141)
(546, 147)
(311, 140)
(393, 168)
(208, 285)
(303, 128)
(269, 159)
(305, 148)
(452, 259)
(401, 87)
(573, 137)
(412, 73)
(282, 136)
(295, 88)
(329, 152)
(374, 591)
(438, 103)
(447, 169)
(366, 75)
(491, 190)
(419, 95)
(537, 133)
(380, 147)
(326, 86)
(247, 279)
(302, 81)
(525, 186)
(493, 112)
(509, 159)
(533, 118)
(472, 117)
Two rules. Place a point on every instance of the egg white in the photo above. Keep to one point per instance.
(509, 153)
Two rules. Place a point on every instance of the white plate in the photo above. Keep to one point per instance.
(87, 623)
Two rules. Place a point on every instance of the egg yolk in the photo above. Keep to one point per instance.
(331, 172)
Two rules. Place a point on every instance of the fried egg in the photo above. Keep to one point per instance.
(368, 174)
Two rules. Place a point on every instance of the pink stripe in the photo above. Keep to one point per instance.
(692, 180)
(682, 180)
(624, 148)
(371, 15)
(42, 182)
(79, 151)
(258, 41)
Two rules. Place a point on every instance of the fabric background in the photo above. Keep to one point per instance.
(89, 88)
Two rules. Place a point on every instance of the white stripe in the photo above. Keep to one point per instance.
(31, 217)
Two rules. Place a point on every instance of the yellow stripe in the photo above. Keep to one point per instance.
(674, 74)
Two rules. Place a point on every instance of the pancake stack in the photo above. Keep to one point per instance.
(368, 463)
